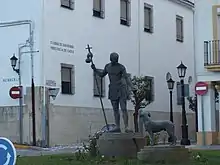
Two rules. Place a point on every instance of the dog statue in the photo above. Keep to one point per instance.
(155, 126)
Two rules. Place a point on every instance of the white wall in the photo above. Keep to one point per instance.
(204, 32)
(11, 37)
(160, 52)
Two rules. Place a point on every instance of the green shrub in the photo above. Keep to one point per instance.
(156, 139)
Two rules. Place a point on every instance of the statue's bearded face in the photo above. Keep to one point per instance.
(114, 58)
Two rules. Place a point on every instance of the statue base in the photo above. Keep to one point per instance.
(125, 145)
(164, 154)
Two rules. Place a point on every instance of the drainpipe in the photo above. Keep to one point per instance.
(44, 118)
(194, 45)
(139, 39)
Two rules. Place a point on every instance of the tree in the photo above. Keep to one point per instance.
(142, 95)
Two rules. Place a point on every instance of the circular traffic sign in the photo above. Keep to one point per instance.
(201, 88)
(15, 92)
(8, 154)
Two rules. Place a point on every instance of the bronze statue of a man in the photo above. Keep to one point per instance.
(119, 89)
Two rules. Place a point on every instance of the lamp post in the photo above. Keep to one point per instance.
(181, 73)
(170, 84)
(14, 60)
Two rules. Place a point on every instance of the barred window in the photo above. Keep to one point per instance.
(179, 28)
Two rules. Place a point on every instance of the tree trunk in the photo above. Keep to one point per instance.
(136, 119)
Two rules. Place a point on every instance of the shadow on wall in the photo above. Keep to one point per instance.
(70, 125)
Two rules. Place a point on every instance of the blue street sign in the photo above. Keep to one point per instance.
(7, 152)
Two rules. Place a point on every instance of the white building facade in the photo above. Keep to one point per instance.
(207, 32)
(147, 43)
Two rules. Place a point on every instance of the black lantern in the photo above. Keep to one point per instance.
(181, 73)
(181, 70)
(170, 84)
(13, 60)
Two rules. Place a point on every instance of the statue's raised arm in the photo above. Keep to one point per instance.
(99, 72)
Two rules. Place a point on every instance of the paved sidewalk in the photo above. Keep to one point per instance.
(37, 151)
(208, 147)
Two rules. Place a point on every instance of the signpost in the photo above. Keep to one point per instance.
(201, 88)
(7, 152)
(15, 92)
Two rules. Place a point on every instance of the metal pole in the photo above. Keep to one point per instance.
(32, 86)
(21, 98)
(171, 105)
(100, 98)
(185, 140)
(203, 122)
(90, 56)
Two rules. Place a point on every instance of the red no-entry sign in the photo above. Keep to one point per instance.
(15, 92)
(201, 88)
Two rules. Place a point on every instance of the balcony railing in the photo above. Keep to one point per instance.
(212, 53)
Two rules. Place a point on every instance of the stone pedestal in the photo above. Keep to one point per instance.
(120, 144)
(164, 154)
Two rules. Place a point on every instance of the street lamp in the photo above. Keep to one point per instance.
(170, 84)
(14, 60)
(181, 73)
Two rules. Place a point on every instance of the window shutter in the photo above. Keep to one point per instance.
(150, 92)
(151, 20)
(72, 4)
(73, 80)
(179, 92)
(123, 10)
(68, 3)
(97, 88)
(152, 89)
(186, 90)
(65, 3)
(129, 12)
(146, 17)
(179, 27)
(102, 8)
(103, 87)
(97, 5)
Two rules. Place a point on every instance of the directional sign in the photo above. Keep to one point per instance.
(7, 152)
(201, 88)
(15, 92)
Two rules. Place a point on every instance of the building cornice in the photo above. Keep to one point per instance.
(185, 3)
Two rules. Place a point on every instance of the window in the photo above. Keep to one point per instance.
(68, 4)
(148, 18)
(179, 28)
(67, 79)
(125, 12)
(179, 92)
(98, 90)
(98, 8)
(150, 92)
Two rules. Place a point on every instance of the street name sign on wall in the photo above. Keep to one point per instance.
(8, 154)
(201, 88)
